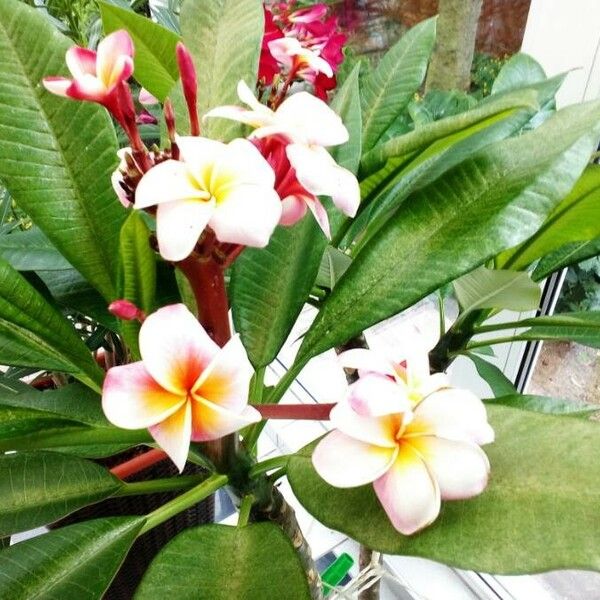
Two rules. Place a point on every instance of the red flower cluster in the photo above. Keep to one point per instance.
(315, 29)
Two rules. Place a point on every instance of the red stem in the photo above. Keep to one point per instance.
(305, 412)
(139, 463)
(208, 284)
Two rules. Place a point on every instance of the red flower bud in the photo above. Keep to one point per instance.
(128, 311)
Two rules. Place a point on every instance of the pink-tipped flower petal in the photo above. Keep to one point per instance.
(175, 348)
(111, 68)
(408, 493)
(173, 435)
(132, 399)
(226, 380)
(377, 395)
(211, 421)
(337, 450)
(460, 468)
(371, 430)
(57, 85)
(293, 208)
(81, 61)
(366, 361)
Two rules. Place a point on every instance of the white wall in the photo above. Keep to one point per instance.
(564, 35)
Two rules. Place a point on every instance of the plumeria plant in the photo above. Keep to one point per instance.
(140, 311)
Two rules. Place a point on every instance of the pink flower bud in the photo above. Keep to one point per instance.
(189, 82)
(123, 309)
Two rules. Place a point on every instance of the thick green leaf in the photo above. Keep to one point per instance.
(521, 70)
(269, 287)
(497, 288)
(546, 405)
(37, 488)
(56, 155)
(428, 134)
(575, 219)
(570, 254)
(155, 60)
(333, 265)
(539, 512)
(390, 87)
(217, 562)
(580, 327)
(500, 384)
(403, 177)
(137, 275)
(73, 293)
(224, 37)
(33, 333)
(346, 103)
(456, 224)
(78, 561)
(31, 250)
(74, 402)
(29, 429)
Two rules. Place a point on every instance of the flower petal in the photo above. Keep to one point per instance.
(375, 395)
(345, 462)
(200, 155)
(236, 113)
(211, 422)
(226, 380)
(246, 95)
(247, 214)
(312, 120)
(293, 208)
(375, 430)
(320, 214)
(366, 361)
(166, 182)
(321, 175)
(132, 399)
(116, 178)
(87, 87)
(81, 61)
(113, 46)
(240, 163)
(175, 348)
(179, 225)
(173, 435)
(146, 98)
(461, 469)
(408, 493)
(57, 85)
(453, 414)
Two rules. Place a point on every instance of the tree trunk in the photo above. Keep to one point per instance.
(450, 67)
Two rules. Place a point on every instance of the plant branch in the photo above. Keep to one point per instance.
(138, 463)
(245, 508)
(280, 512)
(268, 465)
(181, 503)
(305, 412)
(153, 486)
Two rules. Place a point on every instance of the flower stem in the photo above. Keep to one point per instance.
(268, 465)
(305, 412)
(153, 486)
(181, 503)
(138, 463)
(245, 508)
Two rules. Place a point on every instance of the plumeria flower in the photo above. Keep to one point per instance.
(307, 126)
(415, 456)
(298, 59)
(408, 373)
(96, 75)
(226, 186)
(184, 388)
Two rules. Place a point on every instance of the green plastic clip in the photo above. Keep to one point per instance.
(336, 572)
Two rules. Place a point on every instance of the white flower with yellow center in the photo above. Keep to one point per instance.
(228, 187)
